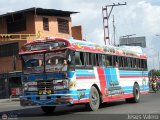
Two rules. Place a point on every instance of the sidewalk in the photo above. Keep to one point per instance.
(9, 100)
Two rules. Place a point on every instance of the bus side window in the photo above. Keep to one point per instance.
(145, 64)
(82, 58)
(107, 60)
(93, 56)
(77, 58)
(97, 64)
(103, 60)
(100, 60)
(125, 62)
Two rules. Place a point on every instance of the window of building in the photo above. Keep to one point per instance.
(9, 49)
(63, 26)
(45, 24)
(16, 23)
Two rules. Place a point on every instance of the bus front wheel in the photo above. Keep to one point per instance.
(94, 100)
(48, 109)
(136, 95)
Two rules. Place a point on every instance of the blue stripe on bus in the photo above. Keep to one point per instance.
(129, 89)
(70, 74)
(46, 76)
(83, 43)
(80, 73)
(73, 93)
(125, 72)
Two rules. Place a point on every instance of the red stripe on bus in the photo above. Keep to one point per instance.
(117, 97)
(86, 77)
(144, 92)
(133, 76)
(102, 80)
(121, 96)
(75, 101)
(81, 101)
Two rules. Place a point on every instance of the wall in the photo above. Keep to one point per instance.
(3, 26)
(53, 27)
(77, 32)
(30, 25)
(7, 62)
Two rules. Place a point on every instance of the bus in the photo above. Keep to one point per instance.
(65, 72)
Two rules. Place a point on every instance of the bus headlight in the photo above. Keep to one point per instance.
(40, 92)
(60, 84)
(65, 83)
(25, 86)
(49, 92)
(30, 86)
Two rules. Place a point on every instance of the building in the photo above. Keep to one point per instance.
(133, 41)
(19, 27)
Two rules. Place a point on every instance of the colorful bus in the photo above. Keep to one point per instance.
(63, 72)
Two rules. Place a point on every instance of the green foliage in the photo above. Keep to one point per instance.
(154, 72)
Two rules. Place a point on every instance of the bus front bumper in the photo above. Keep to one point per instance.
(46, 101)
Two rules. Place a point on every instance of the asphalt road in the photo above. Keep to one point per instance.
(148, 108)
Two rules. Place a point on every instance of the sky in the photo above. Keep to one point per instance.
(140, 17)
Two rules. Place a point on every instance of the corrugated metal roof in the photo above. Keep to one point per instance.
(41, 11)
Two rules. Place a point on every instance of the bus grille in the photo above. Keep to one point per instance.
(44, 85)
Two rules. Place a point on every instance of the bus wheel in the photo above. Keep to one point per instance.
(136, 95)
(48, 109)
(94, 100)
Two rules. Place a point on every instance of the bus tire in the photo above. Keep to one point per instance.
(48, 109)
(136, 95)
(94, 100)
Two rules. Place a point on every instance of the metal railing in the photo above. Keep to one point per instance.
(9, 37)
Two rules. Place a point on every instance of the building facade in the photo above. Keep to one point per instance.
(133, 41)
(20, 27)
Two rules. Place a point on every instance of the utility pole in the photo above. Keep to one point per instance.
(106, 16)
(114, 32)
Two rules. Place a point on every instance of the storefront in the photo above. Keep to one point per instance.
(9, 81)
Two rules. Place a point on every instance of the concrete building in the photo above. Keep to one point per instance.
(133, 41)
(19, 27)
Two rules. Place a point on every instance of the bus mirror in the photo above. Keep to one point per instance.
(69, 58)
(69, 55)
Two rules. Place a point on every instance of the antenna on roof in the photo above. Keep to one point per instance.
(35, 11)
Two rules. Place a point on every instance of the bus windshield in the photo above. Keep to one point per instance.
(55, 62)
(33, 63)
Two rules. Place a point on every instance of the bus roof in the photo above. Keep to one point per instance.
(51, 44)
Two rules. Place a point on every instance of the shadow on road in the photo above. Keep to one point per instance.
(37, 112)
(111, 104)
(60, 111)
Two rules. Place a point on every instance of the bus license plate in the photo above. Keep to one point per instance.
(43, 97)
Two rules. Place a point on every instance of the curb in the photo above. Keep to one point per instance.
(9, 100)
